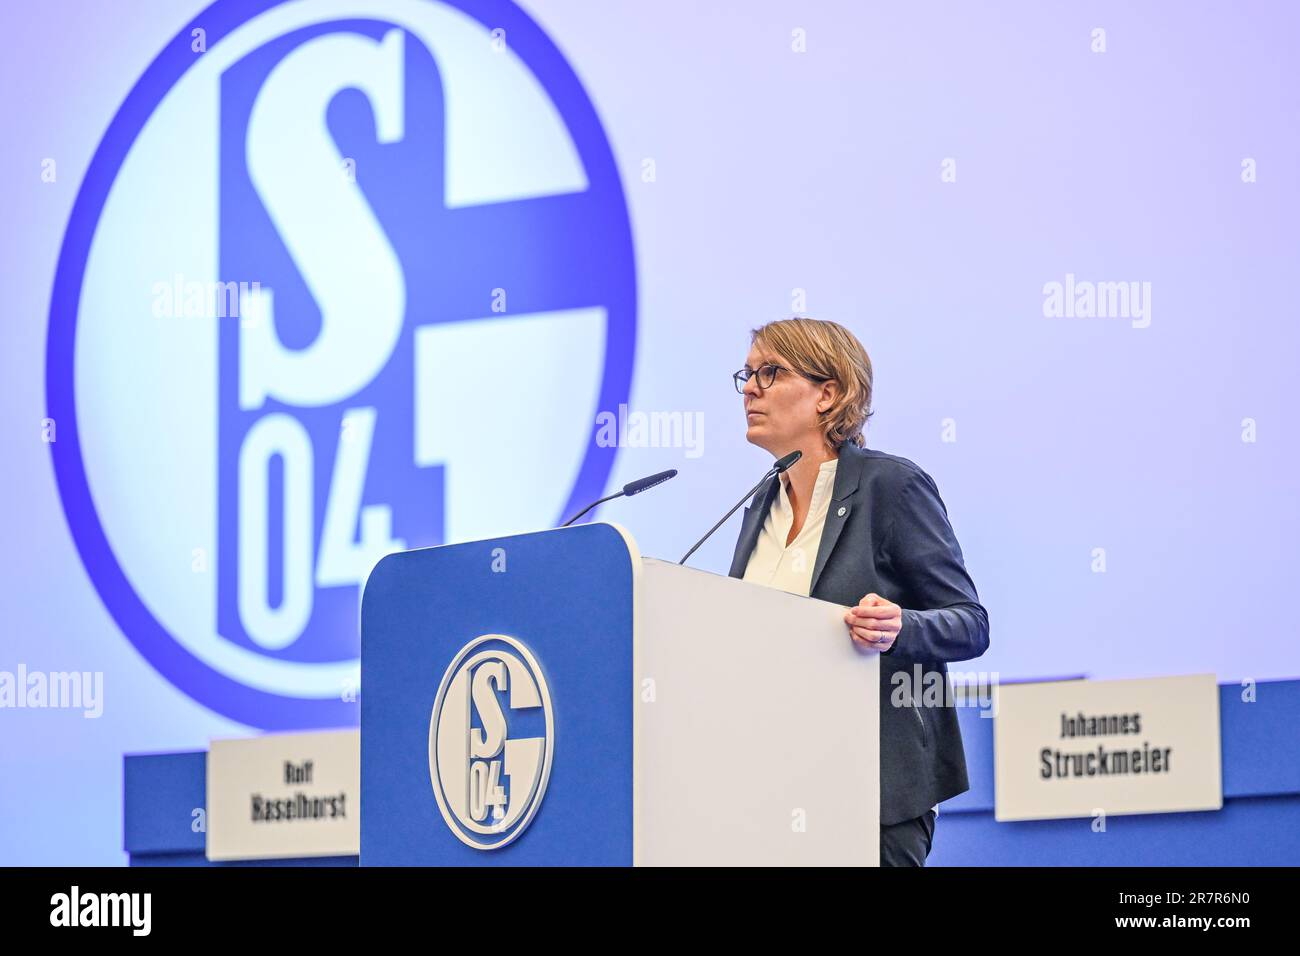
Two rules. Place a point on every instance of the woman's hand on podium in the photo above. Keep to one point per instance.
(875, 622)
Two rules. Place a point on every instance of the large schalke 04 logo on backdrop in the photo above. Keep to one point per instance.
(489, 773)
(340, 276)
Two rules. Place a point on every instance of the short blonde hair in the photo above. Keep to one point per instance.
(825, 350)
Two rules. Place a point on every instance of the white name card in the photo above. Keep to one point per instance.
(1087, 748)
(284, 796)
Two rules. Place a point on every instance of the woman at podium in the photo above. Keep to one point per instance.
(866, 529)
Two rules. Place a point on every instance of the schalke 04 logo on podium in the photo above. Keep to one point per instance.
(489, 773)
(335, 271)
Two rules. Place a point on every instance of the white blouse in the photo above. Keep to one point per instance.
(790, 568)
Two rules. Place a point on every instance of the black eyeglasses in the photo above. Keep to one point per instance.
(766, 376)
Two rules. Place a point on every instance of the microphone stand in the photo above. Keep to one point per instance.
(753, 491)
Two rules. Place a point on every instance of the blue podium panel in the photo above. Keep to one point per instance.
(496, 703)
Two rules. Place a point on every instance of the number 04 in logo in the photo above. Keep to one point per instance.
(489, 784)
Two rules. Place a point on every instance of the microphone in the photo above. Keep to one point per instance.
(630, 489)
(778, 467)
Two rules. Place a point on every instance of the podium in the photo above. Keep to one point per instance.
(556, 699)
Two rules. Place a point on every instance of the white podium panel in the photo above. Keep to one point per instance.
(757, 727)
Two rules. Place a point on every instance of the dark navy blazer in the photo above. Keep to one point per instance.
(887, 532)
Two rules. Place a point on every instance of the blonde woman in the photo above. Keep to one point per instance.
(868, 530)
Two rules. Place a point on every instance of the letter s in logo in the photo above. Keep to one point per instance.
(488, 784)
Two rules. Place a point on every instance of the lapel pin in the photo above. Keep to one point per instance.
(841, 512)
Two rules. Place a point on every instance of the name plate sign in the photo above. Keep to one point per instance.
(1093, 748)
(285, 796)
